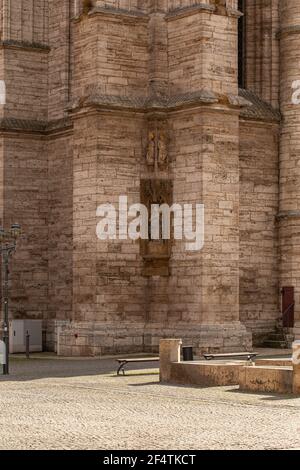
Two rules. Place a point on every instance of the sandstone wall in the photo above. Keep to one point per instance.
(59, 67)
(83, 94)
(107, 274)
(26, 78)
(2, 75)
(60, 223)
(262, 52)
(201, 46)
(259, 199)
(289, 152)
(111, 55)
(26, 201)
(199, 296)
(24, 37)
(24, 21)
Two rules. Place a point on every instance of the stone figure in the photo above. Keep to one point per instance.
(157, 154)
(150, 157)
(162, 149)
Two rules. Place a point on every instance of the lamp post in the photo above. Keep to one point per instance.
(8, 243)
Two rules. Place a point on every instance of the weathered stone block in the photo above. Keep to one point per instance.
(169, 352)
(269, 379)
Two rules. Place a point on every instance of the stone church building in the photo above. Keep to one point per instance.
(89, 86)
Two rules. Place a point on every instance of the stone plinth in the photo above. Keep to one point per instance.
(274, 362)
(169, 352)
(296, 367)
(136, 337)
(205, 374)
(266, 379)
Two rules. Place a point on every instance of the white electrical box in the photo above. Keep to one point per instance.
(2, 353)
(18, 330)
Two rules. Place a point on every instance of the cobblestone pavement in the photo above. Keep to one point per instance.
(81, 404)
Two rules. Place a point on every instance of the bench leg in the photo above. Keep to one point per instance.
(121, 368)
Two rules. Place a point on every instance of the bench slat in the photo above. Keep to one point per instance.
(228, 355)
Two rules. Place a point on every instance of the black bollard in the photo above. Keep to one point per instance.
(27, 345)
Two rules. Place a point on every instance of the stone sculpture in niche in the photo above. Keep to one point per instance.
(157, 151)
(151, 151)
(162, 149)
(156, 253)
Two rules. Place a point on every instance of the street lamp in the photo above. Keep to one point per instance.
(8, 243)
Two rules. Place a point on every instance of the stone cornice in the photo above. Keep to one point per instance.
(58, 125)
(25, 45)
(258, 110)
(287, 31)
(247, 103)
(152, 104)
(188, 11)
(25, 125)
(169, 16)
(114, 12)
(205, 7)
(33, 126)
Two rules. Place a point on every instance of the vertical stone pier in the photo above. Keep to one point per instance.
(289, 214)
(296, 367)
(169, 351)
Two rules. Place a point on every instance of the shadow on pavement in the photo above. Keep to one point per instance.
(22, 369)
(266, 396)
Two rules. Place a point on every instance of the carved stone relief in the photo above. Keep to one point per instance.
(157, 149)
(156, 253)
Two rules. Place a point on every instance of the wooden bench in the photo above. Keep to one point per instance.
(246, 355)
(138, 360)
